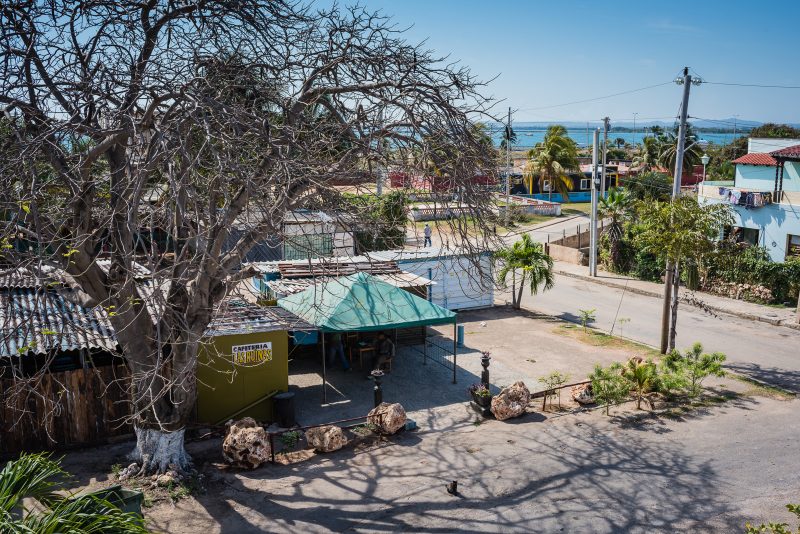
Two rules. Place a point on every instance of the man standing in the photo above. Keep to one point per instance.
(427, 231)
(336, 351)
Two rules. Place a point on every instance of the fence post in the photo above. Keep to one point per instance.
(424, 345)
(455, 350)
(377, 392)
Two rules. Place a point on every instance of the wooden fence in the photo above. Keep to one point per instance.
(66, 409)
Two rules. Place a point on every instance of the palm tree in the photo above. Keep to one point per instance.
(30, 478)
(642, 376)
(647, 156)
(552, 160)
(535, 265)
(615, 207)
(669, 149)
(509, 137)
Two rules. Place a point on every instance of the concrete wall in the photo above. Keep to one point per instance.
(459, 283)
(755, 177)
(224, 387)
(567, 254)
(762, 145)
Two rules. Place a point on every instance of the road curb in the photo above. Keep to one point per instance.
(717, 309)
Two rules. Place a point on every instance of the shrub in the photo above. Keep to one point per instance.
(685, 373)
(642, 376)
(608, 385)
(552, 384)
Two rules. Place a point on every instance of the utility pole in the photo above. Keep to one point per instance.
(593, 224)
(605, 154)
(508, 166)
(672, 279)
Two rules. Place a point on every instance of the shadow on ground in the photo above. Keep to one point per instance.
(577, 477)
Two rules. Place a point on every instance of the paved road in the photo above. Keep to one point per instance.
(765, 352)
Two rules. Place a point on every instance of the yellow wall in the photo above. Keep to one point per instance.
(224, 387)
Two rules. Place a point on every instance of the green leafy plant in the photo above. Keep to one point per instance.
(776, 528)
(37, 479)
(642, 376)
(552, 384)
(289, 440)
(479, 390)
(686, 372)
(608, 385)
(587, 316)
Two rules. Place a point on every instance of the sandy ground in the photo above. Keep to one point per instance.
(708, 468)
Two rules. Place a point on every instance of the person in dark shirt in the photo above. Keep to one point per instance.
(384, 351)
(336, 351)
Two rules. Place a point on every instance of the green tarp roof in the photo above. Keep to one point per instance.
(361, 302)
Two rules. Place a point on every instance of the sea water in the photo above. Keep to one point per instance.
(528, 136)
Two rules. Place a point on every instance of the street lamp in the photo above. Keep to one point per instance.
(705, 159)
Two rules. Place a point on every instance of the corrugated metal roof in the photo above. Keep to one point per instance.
(20, 278)
(236, 316)
(402, 255)
(402, 279)
(755, 158)
(40, 321)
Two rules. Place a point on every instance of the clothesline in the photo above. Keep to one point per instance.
(748, 199)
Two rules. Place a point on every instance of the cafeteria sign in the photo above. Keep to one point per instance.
(252, 354)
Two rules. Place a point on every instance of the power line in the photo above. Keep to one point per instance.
(763, 86)
(599, 97)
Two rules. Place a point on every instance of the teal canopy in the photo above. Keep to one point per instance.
(362, 303)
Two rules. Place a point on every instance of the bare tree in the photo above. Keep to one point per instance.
(142, 131)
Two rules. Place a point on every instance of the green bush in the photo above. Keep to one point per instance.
(744, 264)
(608, 385)
(683, 374)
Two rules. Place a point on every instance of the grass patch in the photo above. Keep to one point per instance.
(576, 208)
(597, 338)
(757, 389)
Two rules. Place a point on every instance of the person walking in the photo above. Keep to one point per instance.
(336, 351)
(427, 232)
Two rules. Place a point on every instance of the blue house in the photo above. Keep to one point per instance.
(765, 196)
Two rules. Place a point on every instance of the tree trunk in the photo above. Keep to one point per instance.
(673, 330)
(163, 396)
(514, 303)
(798, 307)
(519, 291)
(158, 451)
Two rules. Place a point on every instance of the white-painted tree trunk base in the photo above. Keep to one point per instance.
(158, 451)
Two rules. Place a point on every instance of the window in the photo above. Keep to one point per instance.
(584, 184)
(740, 234)
(792, 246)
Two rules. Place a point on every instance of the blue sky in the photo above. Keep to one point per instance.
(548, 53)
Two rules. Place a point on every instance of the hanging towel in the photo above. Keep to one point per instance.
(735, 195)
